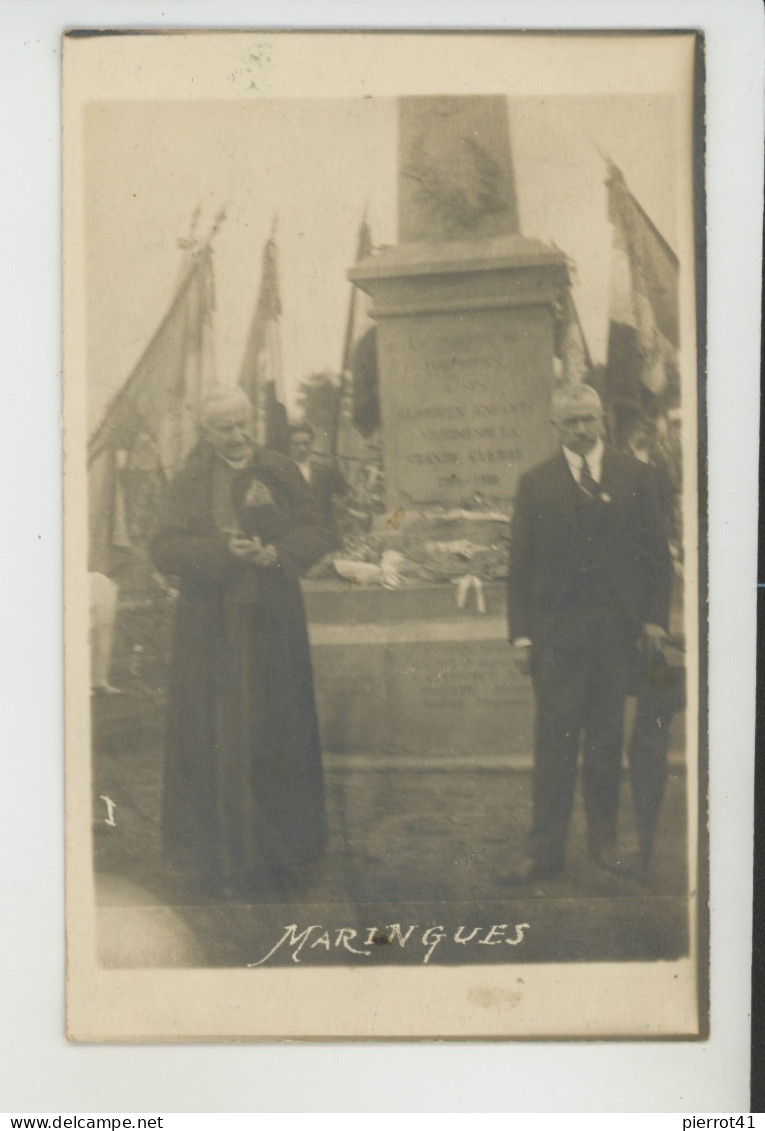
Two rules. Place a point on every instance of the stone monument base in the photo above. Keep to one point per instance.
(406, 673)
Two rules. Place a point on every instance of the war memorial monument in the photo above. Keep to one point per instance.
(466, 310)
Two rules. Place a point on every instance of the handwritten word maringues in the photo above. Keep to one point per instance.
(317, 937)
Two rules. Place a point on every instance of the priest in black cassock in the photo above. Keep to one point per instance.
(243, 799)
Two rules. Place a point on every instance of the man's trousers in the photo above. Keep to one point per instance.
(580, 676)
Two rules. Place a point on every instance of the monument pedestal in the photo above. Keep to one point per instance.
(465, 342)
(404, 673)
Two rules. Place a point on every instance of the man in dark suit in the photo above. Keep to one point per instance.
(321, 475)
(588, 581)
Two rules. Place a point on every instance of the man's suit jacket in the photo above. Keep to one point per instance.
(546, 540)
(326, 481)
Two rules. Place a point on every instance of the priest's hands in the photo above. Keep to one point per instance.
(267, 557)
(253, 550)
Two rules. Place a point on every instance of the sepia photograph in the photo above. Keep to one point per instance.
(385, 544)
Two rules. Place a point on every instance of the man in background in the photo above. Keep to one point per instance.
(322, 476)
(657, 687)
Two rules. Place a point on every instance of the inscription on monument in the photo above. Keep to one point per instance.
(462, 697)
(465, 403)
(465, 697)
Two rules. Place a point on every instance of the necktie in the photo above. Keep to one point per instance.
(587, 483)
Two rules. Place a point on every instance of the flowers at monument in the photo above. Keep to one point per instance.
(430, 545)
(367, 573)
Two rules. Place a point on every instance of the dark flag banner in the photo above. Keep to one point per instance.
(351, 428)
(358, 310)
(366, 394)
(642, 370)
(573, 361)
(261, 373)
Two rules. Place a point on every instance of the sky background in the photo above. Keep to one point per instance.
(315, 165)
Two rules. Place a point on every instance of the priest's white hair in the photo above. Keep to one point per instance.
(221, 398)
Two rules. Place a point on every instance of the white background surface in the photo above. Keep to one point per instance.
(40, 1072)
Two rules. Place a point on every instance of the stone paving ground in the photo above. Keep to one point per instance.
(417, 846)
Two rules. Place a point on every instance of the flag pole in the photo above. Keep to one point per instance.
(345, 363)
(263, 351)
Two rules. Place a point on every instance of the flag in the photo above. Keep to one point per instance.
(149, 428)
(358, 309)
(642, 367)
(366, 384)
(573, 362)
(261, 373)
(359, 414)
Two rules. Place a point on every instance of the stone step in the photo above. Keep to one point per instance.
(342, 602)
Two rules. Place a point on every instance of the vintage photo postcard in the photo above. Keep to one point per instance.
(384, 535)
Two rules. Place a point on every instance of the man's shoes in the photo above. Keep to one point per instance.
(529, 872)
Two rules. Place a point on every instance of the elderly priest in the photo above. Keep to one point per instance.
(243, 803)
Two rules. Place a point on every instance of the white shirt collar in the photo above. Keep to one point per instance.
(594, 461)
